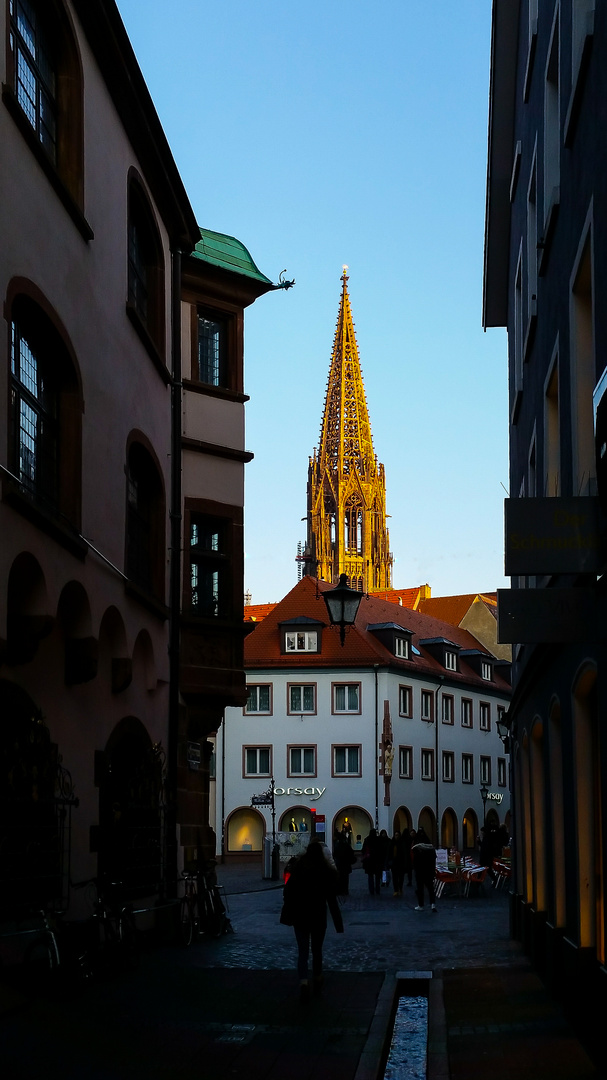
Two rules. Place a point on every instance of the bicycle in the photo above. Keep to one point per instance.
(40, 954)
(113, 942)
(202, 910)
(187, 914)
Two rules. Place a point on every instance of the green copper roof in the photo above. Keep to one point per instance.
(228, 253)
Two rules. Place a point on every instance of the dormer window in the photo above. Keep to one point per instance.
(444, 651)
(301, 641)
(486, 672)
(300, 635)
(401, 648)
(396, 639)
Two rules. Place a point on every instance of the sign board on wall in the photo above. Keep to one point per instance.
(547, 615)
(553, 536)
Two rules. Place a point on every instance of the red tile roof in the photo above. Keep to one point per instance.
(256, 612)
(409, 598)
(361, 648)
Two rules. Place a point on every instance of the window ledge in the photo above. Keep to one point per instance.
(545, 243)
(579, 79)
(152, 603)
(147, 341)
(69, 203)
(215, 391)
(516, 405)
(530, 59)
(14, 494)
(516, 168)
(530, 332)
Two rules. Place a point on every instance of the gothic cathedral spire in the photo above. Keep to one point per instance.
(346, 486)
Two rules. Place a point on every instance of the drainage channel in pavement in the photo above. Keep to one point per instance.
(407, 1055)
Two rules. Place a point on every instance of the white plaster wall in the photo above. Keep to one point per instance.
(324, 729)
(206, 477)
(213, 420)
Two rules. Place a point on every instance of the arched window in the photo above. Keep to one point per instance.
(145, 295)
(44, 93)
(144, 522)
(45, 412)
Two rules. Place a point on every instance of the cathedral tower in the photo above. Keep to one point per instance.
(346, 486)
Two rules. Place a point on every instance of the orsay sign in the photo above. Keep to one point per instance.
(312, 792)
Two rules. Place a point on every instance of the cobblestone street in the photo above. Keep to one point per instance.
(381, 932)
(229, 1008)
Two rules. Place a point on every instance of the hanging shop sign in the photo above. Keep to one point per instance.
(193, 755)
(261, 800)
(553, 536)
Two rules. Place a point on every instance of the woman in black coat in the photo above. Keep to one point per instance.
(310, 889)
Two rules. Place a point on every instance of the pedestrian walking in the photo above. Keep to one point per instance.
(344, 860)
(372, 860)
(384, 843)
(424, 865)
(311, 888)
(396, 862)
(408, 841)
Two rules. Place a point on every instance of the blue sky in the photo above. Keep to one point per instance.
(354, 132)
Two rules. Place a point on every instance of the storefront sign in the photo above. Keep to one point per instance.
(494, 796)
(546, 615)
(553, 536)
(313, 792)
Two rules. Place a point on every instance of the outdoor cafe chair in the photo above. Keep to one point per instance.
(474, 875)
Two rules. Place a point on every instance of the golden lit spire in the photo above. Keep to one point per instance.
(346, 486)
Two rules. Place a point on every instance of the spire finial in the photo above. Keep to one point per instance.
(344, 276)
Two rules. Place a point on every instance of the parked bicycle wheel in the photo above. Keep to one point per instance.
(186, 922)
(127, 936)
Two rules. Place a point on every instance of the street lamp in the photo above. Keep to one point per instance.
(484, 794)
(342, 605)
(503, 730)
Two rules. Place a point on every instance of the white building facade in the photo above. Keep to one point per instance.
(397, 729)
